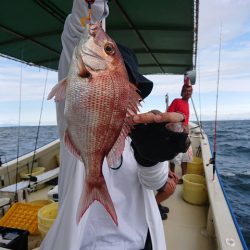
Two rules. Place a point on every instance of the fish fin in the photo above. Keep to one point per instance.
(132, 109)
(99, 192)
(134, 101)
(58, 91)
(70, 145)
(117, 149)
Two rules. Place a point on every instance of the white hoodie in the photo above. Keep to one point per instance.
(130, 187)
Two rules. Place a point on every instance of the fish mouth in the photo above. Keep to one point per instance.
(83, 71)
(88, 61)
(91, 53)
(92, 60)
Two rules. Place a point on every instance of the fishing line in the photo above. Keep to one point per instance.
(198, 153)
(197, 118)
(38, 128)
(196, 115)
(213, 159)
(199, 82)
(19, 124)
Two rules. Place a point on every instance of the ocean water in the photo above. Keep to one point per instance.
(27, 137)
(232, 158)
(233, 166)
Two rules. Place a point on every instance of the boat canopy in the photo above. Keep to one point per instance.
(162, 33)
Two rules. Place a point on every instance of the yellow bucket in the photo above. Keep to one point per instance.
(196, 166)
(194, 189)
(41, 202)
(35, 172)
(42, 231)
(46, 217)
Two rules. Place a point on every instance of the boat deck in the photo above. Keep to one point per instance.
(40, 194)
(186, 223)
(34, 241)
(184, 228)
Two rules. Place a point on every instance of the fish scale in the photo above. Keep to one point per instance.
(99, 101)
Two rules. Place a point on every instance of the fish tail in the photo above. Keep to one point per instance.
(99, 193)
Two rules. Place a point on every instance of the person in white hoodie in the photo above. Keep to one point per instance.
(130, 182)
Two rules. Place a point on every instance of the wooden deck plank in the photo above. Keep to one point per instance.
(185, 224)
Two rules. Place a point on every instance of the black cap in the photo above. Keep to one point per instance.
(144, 85)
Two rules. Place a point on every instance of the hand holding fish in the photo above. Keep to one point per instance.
(153, 116)
(152, 141)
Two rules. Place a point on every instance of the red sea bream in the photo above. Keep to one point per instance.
(99, 101)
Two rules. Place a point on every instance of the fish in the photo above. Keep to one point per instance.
(99, 104)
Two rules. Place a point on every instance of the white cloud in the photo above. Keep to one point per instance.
(230, 15)
(19, 78)
(234, 19)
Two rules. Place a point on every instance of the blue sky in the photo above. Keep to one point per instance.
(234, 86)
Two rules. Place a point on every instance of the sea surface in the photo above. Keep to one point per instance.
(232, 158)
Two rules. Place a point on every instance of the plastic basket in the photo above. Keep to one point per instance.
(35, 172)
(196, 166)
(47, 216)
(194, 189)
(22, 216)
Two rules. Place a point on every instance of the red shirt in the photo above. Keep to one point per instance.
(180, 106)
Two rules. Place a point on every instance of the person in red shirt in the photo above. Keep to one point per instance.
(181, 105)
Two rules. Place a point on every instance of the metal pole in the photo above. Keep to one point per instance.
(167, 101)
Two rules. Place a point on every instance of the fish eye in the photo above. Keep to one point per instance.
(109, 48)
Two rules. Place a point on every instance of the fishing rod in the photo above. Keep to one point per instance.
(19, 126)
(167, 101)
(197, 118)
(33, 178)
(213, 159)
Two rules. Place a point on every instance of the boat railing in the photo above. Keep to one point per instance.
(46, 156)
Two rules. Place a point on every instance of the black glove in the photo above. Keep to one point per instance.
(153, 143)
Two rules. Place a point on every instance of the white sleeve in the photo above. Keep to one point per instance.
(153, 177)
(73, 29)
(65, 233)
